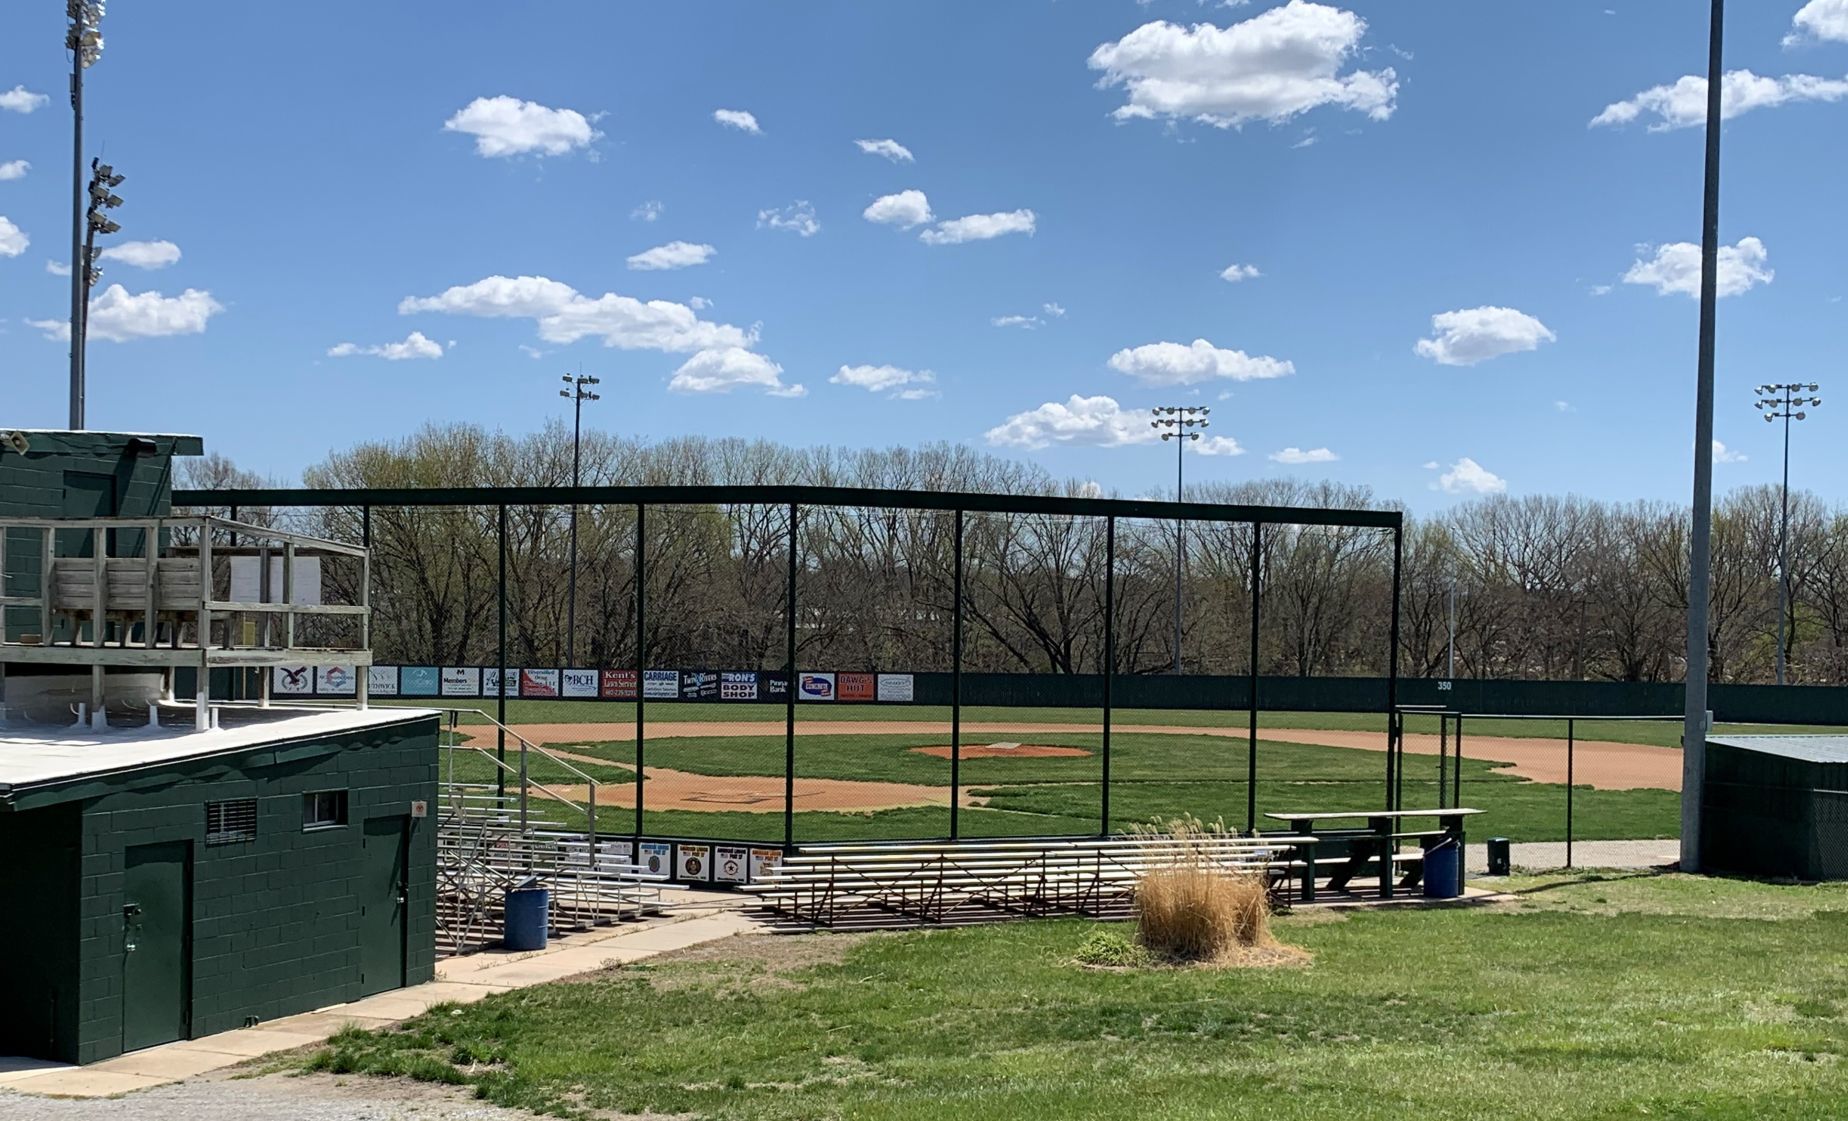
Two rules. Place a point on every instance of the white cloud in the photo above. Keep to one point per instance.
(798, 218)
(649, 211)
(120, 317)
(890, 149)
(1053, 310)
(1177, 364)
(673, 255)
(1600, 289)
(698, 303)
(1232, 274)
(13, 240)
(19, 99)
(507, 126)
(1271, 67)
(724, 369)
(906, 385)
(1821, 20)
(1684, 103)
(415, 345)
(1217, 445)
(1027, 321)
(14, 169)
(143, 254)
(1724, 454)
(1088, 421)
(532, 352)
(738, 119)
(1562, 407)
(1431, 465)
(1299, 455)
(904, 210)
(1472, 335)
(57, 268)
(1466, 476)
(1676, 268)
(564, 315)
(980, 227)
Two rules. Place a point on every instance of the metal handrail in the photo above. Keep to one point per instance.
(522, 772)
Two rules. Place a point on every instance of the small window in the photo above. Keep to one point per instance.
(324, 809)
(230, 822)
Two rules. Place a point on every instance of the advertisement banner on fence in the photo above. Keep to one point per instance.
(897, 687)
(495, 683)
(699, 685)
(764, 862)
(773, 685)
(692, 862)
(737, 686)
(578, 683)
(291, 681)
(461, 681)
(382, 681)
(654, 857)
(661, 684)
(538, 683)
(419, 681)
(731, 865)
(617, 685)
(335, 681)
(815, 687)
(854, 687)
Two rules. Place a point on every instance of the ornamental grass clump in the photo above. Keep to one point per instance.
(1192, 906)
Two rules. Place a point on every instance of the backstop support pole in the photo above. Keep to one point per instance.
(956, 662)
(1392, 666)
(500, 654)
(1103, 808)
(1251, 746)
(641, 664)
(1571, 735)
(789, 696)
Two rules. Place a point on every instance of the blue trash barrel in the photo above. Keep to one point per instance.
(1443, 870)
(528, 906)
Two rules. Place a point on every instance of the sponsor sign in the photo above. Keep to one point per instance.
(692, 862)
(699, 685)
(461, 681)
(578, 683)
(617, 685)
(737, 686)
(538, 683)
(773, 686)
(731, 865)
(815, 686)
(654, 857)
(382, 681)
(763, 862)
(854, 687)
(496, 682)
(661, 684)
(335, 681)
(291, 681)
(897, 687)
(418, 681)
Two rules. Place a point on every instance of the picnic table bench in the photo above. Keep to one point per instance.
(1377, 841)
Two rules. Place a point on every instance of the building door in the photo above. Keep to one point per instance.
(383, 883)
(156, 921)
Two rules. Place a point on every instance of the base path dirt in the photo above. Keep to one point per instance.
(1601, 764)
(1003, 751)
(683, 790)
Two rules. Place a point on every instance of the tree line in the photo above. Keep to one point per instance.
(1534, 587)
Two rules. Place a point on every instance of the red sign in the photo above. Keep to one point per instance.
(855, 686)
(619, 685)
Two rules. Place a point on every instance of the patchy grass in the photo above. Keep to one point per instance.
(1589, 997)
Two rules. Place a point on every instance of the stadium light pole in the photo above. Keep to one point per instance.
(1780, 402)
(579, 392)
(103, 178)
(1179, 421)
(1695, 716)
(85, 43)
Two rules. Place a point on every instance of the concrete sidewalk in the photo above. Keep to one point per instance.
(690, 919)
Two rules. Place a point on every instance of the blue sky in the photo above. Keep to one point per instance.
(346, 173)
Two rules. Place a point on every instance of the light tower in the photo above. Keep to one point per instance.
(578, 391)
(1781, 402)
(1179, 423)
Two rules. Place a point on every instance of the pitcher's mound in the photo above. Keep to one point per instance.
(1004, 751)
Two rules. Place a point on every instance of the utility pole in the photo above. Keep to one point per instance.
(1179, 422)
(85, 43)
(579, 392)
(1780, 402)
(1695, 720)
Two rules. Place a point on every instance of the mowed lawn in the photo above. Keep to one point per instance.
(1590, 998)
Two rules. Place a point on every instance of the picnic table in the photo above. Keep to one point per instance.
(1378, 840)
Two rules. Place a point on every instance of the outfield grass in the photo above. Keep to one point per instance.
(1658, 734)
(1619, 997)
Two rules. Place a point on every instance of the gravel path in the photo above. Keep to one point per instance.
(1547, 855)
(306, 1098)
